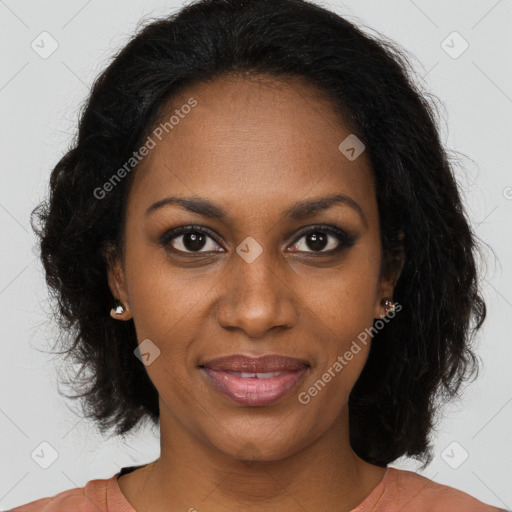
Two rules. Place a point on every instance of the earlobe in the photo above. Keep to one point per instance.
(119, 312)
(388, 305)
(116, 283)
(392, 271)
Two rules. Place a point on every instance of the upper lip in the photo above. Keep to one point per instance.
(266, 363)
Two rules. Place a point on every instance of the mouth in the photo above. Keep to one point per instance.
(255, 381)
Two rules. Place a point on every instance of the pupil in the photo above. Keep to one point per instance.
(194, 241)
(317, 241)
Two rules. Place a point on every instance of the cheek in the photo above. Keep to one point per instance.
(163, 299)
(341, 309)
(344, 298)
(169, 308)
(329, 387)
(327, 392)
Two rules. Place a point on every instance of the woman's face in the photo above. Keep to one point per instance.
(255, 283)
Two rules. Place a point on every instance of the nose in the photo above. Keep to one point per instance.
(256, 298)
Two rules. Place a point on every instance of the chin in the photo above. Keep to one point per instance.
(275, 442)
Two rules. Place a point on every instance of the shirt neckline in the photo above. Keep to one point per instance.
(117, 501)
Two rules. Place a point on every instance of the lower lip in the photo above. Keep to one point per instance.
(251, 390)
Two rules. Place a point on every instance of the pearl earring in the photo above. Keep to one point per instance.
(118, 309)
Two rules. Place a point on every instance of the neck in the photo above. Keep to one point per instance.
(192, 474)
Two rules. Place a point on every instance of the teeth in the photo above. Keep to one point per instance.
(261, 375)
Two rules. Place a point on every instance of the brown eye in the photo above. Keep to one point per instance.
(323, 240)
(189, 239)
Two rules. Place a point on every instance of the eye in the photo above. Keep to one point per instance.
(189, 239)
(196, 239)
(319, 238)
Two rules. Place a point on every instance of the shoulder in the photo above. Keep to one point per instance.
(90, 498)
(416, 492)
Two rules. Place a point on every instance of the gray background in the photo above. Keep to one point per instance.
(39, 101)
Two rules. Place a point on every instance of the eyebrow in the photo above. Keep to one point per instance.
(297, 211)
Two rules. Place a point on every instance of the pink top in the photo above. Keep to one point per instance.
(399, 490)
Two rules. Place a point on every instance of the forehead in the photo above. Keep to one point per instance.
(250, 139)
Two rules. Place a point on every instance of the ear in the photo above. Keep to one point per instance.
(117, 279)
(391, 271)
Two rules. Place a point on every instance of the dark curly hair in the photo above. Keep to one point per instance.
(420, 359)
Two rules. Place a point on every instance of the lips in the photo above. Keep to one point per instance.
(263, 364)
(255, 380)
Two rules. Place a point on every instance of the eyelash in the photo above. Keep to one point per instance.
(345, 240)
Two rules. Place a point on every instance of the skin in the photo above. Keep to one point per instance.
(254, 147)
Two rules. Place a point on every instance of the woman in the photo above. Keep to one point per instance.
(259, 196)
